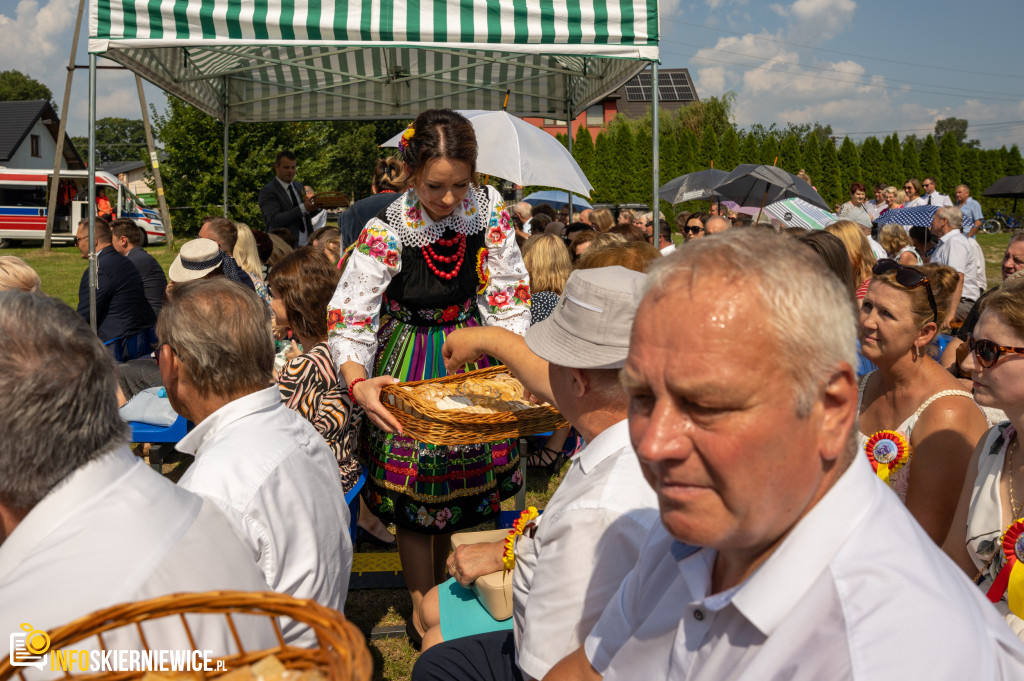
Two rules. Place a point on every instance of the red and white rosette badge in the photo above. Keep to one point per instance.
(887, 451)
(1010, 579)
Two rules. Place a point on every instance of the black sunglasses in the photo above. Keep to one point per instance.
(689, 229)
(908, 277)
(989, 353)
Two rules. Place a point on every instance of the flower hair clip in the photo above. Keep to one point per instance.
(403, 143)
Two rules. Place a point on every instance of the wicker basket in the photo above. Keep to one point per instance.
(332, 199)
(341, 656)
(436, 426)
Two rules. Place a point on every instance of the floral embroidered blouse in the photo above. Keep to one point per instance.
(500, 282)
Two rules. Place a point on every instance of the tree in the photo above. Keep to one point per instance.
(911, 160)
(583, 151)
(811, 160)
(930, 163)
(668, 156)
(871, 163)
(728, 150)
(604, 179)
(749, 149)
(713, 111)
(949, 161)
(849, 165)
(1014, 164)
(624, 170)
(643, 170)
(769, 150)
(687, 152)
(708, 147)
(829, 183)
(15, 86)
(955, 126)
(789, 154)
(892, 160)
(117, 140)
(970, 169)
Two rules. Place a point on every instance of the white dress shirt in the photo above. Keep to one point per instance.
(937, 199)
(668, 249)
(115, 531)
(919, 201)
(277, 481)
(587, 540)
(857, 590)
(955, 250)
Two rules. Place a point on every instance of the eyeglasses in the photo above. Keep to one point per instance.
(76, 239)
(909, 277)
(689, 229)
(989, 353)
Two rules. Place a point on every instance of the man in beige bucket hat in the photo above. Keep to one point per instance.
(590, 534)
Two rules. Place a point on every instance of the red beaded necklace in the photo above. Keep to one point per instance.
(429, 256)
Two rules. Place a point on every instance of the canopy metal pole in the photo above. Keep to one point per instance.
(51, 205)
(226, 140)
(656, 150)
(161, 201)
(568, 125)
(92, 192)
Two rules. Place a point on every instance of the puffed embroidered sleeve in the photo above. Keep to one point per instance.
(353, 315)
(505, 295)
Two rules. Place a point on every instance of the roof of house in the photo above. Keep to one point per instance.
(118, 167)
(17, 120)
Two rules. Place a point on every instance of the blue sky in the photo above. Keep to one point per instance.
(863, 66)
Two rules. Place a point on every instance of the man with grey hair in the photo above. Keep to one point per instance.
(590, 533)
(969, 207)
(264, 465)
(523, 212)
(84, 524)
(780, 552)
(962, 254)
(717, 224)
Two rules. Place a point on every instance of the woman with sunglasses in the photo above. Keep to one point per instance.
(916, 425)
(694, 228)
(992, 498)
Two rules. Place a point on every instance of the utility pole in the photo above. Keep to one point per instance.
(51, 204)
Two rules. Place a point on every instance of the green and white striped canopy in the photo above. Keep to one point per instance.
(259, 60)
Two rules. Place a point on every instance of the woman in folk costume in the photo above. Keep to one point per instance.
(441, 257)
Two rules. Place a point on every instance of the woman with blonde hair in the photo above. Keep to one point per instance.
(857, 249)
(602, 220)
(17, 275)
(247, 255)
(916, 426)
(547, 260)
(896, 242)
(990, 502)
(892, 199)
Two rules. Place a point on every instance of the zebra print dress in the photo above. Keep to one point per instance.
(310, 386)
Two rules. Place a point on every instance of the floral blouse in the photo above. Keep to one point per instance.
(502, 299)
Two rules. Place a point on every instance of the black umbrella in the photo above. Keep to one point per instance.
(755, 185)
(1009, 187)
(692, 186)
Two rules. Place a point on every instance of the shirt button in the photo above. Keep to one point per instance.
(698, 615)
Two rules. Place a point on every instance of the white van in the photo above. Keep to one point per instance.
(24, 199)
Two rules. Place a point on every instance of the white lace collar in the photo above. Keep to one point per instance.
(410, 222)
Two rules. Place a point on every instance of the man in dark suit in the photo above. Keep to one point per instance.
(122, 310)
(128, 242)
(284, 203)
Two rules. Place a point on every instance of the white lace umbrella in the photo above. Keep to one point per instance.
(514, 150)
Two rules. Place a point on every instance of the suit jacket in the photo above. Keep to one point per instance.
(121, 306)
(153, 278)
(279, 211)
(352, 221)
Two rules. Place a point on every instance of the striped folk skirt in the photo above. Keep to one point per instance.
(433, 489)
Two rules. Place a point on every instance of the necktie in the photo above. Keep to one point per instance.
(291, 193)
(929, 199)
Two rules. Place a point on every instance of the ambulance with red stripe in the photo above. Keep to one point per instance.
(24, 197)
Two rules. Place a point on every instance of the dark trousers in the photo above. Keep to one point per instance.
(484, 657)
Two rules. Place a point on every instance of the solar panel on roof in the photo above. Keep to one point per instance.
(672, 87)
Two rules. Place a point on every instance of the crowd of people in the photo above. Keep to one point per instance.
(792, 452)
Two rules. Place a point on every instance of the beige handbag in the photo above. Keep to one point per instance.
(495, 589)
